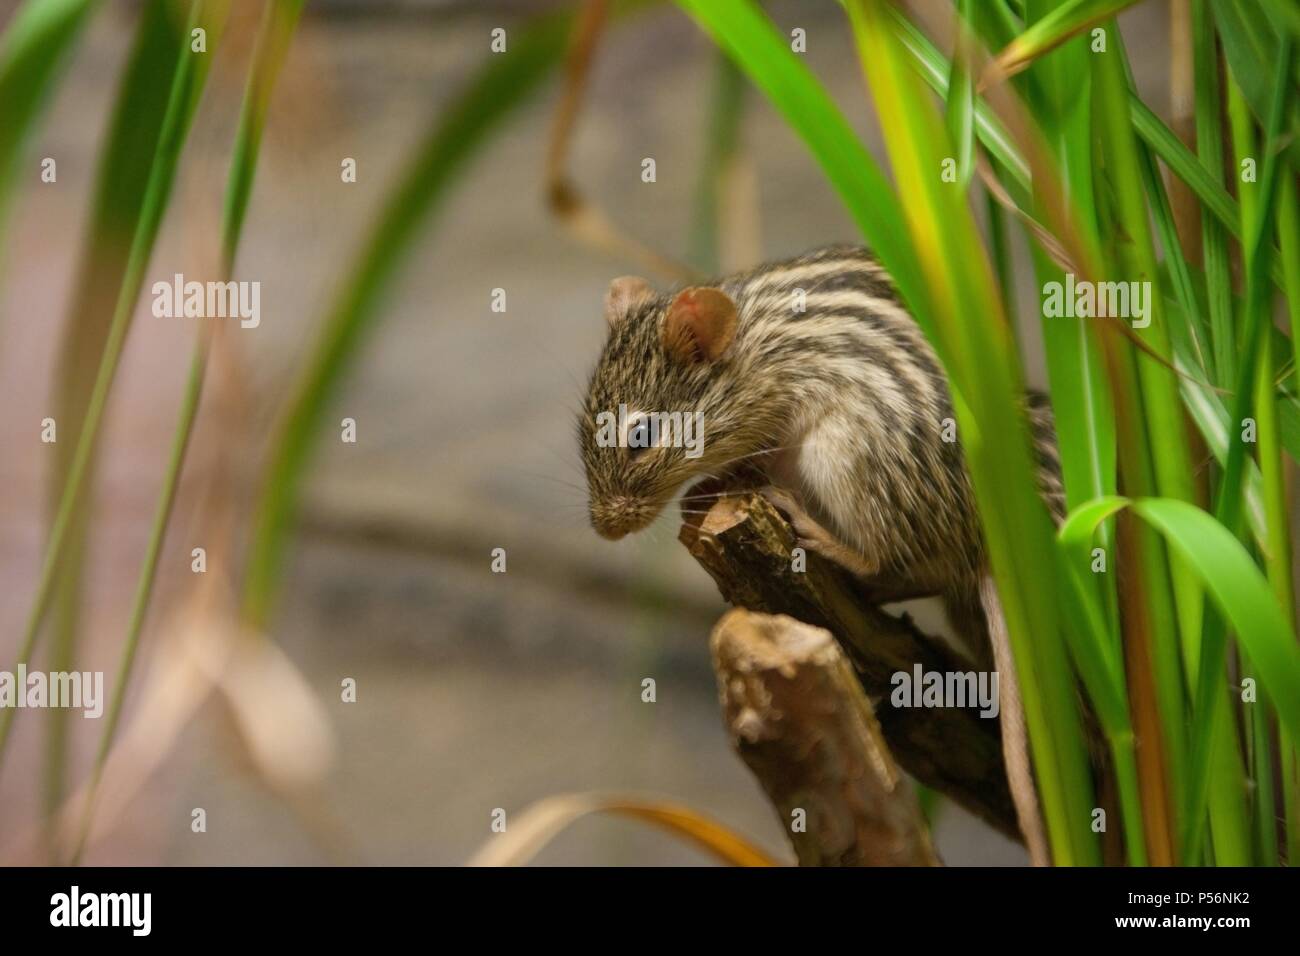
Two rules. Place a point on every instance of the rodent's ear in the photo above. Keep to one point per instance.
(624, 295)
(699, 324)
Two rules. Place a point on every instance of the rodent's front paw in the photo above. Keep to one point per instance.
(812, 536)
(803, 524)
(785, 502)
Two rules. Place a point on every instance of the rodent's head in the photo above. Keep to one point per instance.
(659, 409)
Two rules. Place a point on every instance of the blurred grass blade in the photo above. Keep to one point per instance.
(125, 161)
(500, 87)
(534, 827)
(1099, 657)
(961, 97)
(1256, 324)
(1288, 228)
(1212, 421)
(1136, 255)
(937, 71)
(1258, 251)
(1287, 15)
(1241, 593)
(1251, 47)
(981, 361)
(185, 90)
(1184, 164)
(1276, 545)
(718, 167)
(1060, 96)
(1162, 602)
(1189, 336)
(1047, 34)
(1243, 596)
(32, 50)
(999, 248)
(1081, 400)
(278, 25)
(1209, 147)
(741, 28)
(1075, 537)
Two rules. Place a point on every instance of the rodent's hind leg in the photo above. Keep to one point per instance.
(812, 536)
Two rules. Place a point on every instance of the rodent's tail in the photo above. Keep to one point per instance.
(1015, 736)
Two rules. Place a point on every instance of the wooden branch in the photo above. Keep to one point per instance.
(745, 544)
(799, 719)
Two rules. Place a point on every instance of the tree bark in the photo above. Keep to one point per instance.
(799, 719)
(746, 545)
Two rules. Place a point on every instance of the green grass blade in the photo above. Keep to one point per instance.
(1288, 230)
(32, 50)
(722, 135)
(1286, 14)
(1288, 227)
(1258, 254)
(1240, 592)
(475, 113)
(1212, 419)
(980, 358)
(1158, 459)
(185, 90)
(1230, 500)
(1081, 400)
(122, 177)
(1209, 146)
(1098, 656)
(1003, 265)
(741, 28)
(1136, 251)
(1184, 164)
(936, 71)
(144, 586)
(1259, 735)
(1277, 542)
(961, 98)
(1082, 403)
(1067, 20)
(1075, 540)
(1251, 45)
(280, 20)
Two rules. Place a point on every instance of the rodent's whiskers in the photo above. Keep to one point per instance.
(556, 479)
(716, 473)
(708, 496)
(762, 451)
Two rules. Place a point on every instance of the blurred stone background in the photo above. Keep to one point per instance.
(475, 690)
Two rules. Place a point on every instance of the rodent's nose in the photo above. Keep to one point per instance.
(615, 517)
(609, 532)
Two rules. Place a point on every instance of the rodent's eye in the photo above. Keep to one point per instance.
(638, 437)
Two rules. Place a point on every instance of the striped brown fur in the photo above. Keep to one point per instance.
(843, 403)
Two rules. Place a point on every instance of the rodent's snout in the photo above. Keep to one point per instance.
(616, 516)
